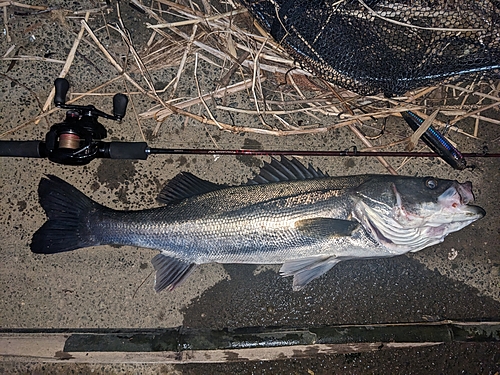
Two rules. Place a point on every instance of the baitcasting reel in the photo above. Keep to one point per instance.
(78, 140)
(75, 141)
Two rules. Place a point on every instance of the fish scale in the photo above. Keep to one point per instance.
(288, 214)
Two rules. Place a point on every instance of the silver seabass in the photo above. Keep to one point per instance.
(288, 214)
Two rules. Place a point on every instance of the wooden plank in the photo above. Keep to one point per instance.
(31, 345)
(40, 348)
(183, 345)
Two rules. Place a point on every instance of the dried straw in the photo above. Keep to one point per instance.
(284, 99)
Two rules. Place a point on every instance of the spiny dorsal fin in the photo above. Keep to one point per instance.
(285, 170)
(186, 185)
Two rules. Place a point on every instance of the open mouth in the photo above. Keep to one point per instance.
(457, 198)
(465, 191)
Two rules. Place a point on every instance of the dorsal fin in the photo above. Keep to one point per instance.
(285, 170)
(185, 185)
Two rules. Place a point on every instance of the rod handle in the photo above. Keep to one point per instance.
(23, 149)
(125, 150)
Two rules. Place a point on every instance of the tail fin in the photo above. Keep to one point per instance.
(69, 212)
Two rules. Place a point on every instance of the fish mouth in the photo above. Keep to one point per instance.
(465, 192)
(412, 229)
(455, 201)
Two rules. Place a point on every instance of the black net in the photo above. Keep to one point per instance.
(386, 46)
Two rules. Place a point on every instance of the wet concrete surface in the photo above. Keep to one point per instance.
(101, 286)
(356, 292)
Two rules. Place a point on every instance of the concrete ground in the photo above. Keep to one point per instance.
(102, 287)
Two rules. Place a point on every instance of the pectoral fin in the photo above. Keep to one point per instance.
(305, 270)
(326, 227)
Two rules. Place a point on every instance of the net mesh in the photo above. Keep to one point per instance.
(386, 46)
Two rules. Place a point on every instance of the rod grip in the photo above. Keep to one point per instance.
(127, 150)
(23, 149)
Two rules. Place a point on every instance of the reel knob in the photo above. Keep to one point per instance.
(120, 102)
(62, 87)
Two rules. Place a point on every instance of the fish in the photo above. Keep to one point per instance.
(288, 214)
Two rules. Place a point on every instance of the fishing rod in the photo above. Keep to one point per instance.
(78, 140)
(141, 151)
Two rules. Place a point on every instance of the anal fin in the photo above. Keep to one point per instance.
(305, 270)
(170, 272)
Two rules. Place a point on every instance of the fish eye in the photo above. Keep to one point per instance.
(431, 183)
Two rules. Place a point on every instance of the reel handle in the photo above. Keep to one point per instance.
(62, 87)
(120, 102)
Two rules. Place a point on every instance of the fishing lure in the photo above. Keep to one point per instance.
(436, 141)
